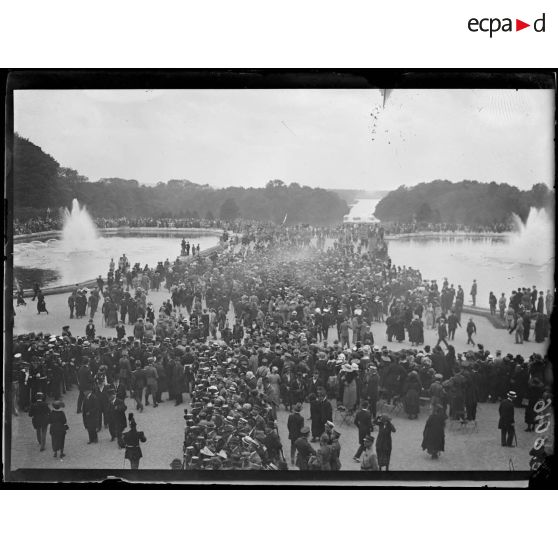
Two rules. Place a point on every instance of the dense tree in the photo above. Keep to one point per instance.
(35, 175)
(425, 212)
(114, 197)
(466, 202)
(229, 210)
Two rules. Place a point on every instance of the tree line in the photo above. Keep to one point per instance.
(467, 202)
(40, 183)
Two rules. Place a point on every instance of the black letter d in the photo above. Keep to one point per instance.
(537, 21)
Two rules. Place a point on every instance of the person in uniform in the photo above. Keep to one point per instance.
(138, 385)
(304, 449)
(335, 450)
(151, 377)
(131, 442)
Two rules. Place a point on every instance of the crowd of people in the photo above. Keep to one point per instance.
(426, 227)
(272, 320)
(53, 222)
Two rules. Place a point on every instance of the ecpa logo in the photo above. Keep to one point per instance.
(494, 24)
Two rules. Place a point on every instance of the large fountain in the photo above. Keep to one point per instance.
(533, 241)
(79, 233)
(499, 263)
(82, 252)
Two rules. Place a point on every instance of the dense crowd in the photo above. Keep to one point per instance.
(419, 227)
(272, 320)
(53, 223)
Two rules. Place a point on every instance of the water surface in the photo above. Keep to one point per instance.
(48, 263)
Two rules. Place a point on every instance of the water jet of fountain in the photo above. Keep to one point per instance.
(533, 241)
(79, 233)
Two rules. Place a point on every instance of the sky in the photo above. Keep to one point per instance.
(321, 138)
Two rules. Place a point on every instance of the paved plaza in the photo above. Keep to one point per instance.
(27, 320)
(467, 448)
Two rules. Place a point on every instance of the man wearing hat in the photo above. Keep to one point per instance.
(131, 442)
(304, 449)
(58, 428)
(91, 415)
(507, 419)
(363, 421)
(471, 330)
(295, 423)
(442, 333)
(320, 413)
(85, 381)
(40, 413)
(116, 415)
(474, 292)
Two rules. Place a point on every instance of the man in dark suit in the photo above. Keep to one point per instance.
(372, 389)
(116, 416)
(313, 384)
(85, 381)
(363, 421)
(507, 420)
(91, 415)
(453, 322)
(442, 333)
(119, 389)
(295, 423)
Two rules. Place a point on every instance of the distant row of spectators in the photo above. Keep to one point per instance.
(406, 228)
(50, 223)
(42, 224)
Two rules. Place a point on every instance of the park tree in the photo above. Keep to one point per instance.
(40, 182)
(424, 214)
(229, 210)
(35, 175)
